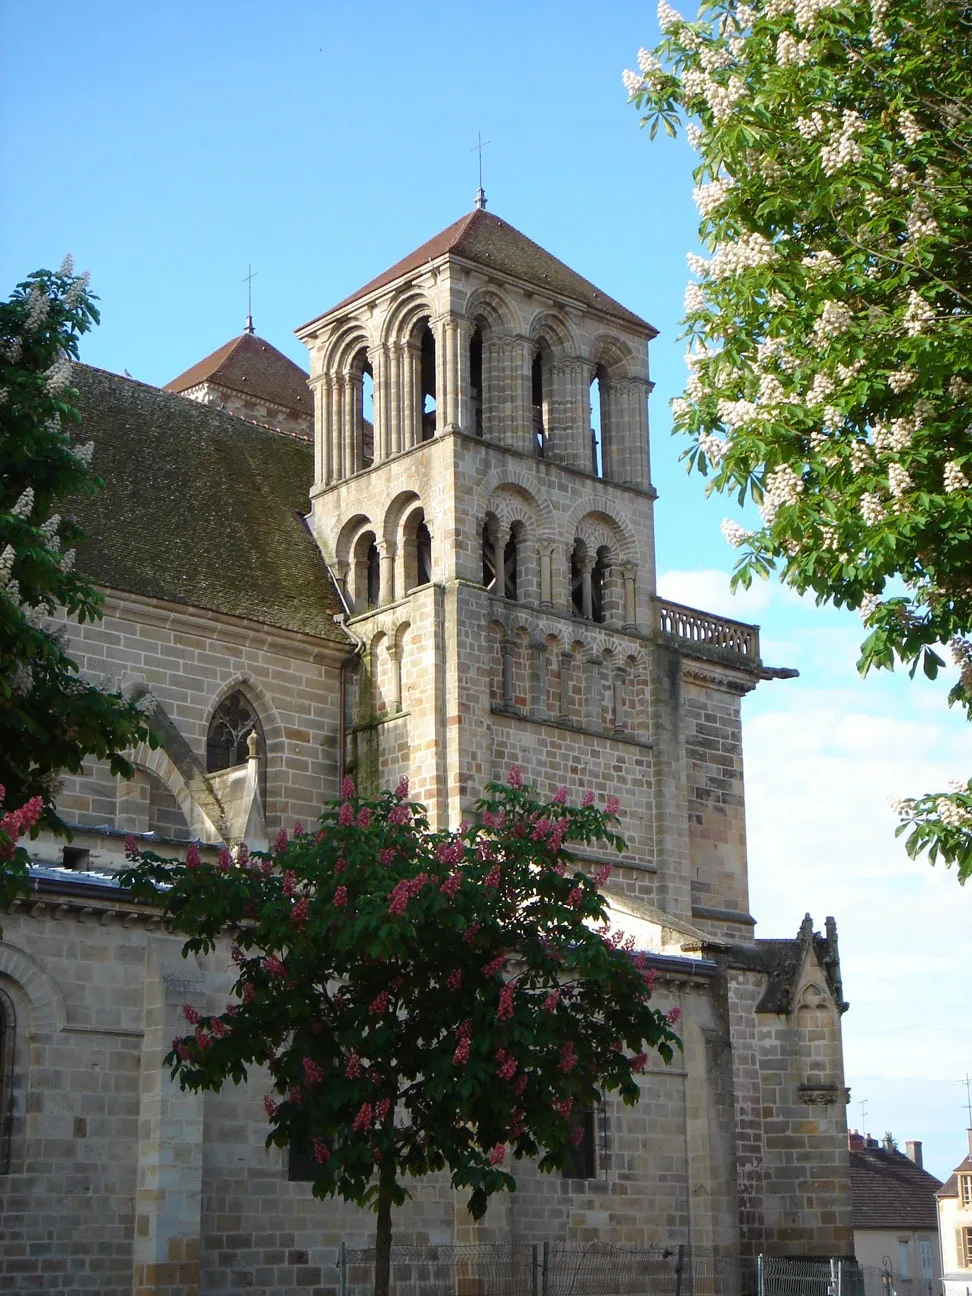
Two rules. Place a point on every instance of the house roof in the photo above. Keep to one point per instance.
(889, 1191)
(492, 243)
(200, 507)
(253, 367)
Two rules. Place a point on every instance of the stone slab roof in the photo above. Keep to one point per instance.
(493, 244)
(248, 365)
(782, 960)
(889, 1191)
(201, 508)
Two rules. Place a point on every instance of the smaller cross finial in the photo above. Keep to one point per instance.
(480, 192)
(248, 278)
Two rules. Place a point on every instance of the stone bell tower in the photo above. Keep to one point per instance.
(482, 494)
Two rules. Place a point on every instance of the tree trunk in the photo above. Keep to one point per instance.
(383, 1231)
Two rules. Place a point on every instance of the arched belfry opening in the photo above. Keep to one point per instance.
(511, 562)
(476, 379)
(598, 420)
(362, 418)
(429, 412)
(417, 542)
(538, 394)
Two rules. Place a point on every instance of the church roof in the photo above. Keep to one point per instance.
(493, 244)
(200, 507)
(248, 365)
(889, 1191)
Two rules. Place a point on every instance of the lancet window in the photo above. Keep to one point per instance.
(429, 412)
(538, 404)
(232, 723)
(476, 379)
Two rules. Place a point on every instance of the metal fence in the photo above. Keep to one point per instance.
(602, 1269)
(547, 1269)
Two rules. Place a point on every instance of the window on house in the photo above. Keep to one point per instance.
(965, 1189)
(8, 1022)
(582, 1154)
(964, 1248)
(925, 1253)
(903, 1261)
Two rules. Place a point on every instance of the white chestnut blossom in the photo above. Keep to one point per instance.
(788, 50)
(921, 223)
(38, 304)
(710, 197)
(737, 413)
(730, 259)
(668, 17)
(807, 11)
(869, 605)
(828, 536)
(899, 480)
(6, 564)
(908, 125)
(879, 11)
(958, 387)
(745, 16)
(811, 127)
(49, 530)
(860, 456)
(955, 478)
(647, 62)
(58, 375)
(77, 290)
(901, 380)
(782, 487)
(84, 452)
(834, 318)
(872, 508)
(633, 82)
(733, 533)
(770, 390)
(821, 387)
(693, 133)
(822, 262)
(951, 814)
(715, 58)
(67, 561)
(24, 505)
(842, 148)
(714, 448)
(918, 315)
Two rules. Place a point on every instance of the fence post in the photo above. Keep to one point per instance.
(679, 1268)
(342, 1266)
(760, 1276)
(545, 1272)
(534, 1269)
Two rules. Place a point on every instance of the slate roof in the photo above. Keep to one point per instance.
(253, 367)
(201, 508)
(484, 239)
(889, 1191)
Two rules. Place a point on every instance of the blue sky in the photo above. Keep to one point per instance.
(166, 146)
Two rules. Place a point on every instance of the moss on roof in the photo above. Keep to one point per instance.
(201, 508)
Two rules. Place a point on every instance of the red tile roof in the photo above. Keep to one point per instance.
(889, 1191)
(253, 367)
(487, 241)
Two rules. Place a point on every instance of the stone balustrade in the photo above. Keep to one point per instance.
(691, 629)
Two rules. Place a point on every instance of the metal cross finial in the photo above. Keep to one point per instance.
(248, 278)
(480, 192)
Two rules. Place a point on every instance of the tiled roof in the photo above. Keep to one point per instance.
(889, 1191)
(253, 367)
(487, 241)
(200, 508)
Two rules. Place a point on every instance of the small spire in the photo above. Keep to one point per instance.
(480, 192)
(248, 280)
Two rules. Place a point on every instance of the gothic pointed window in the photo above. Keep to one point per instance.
(232, 723)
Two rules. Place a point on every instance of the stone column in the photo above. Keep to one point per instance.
(381, 447)
(440, 332)
(566, 668)
(617, 703)
(411, 395)
(493, 391)
(595, 693)
(521, 374)
(586, 564)
(168, 1192)
(322, 446)
(336, 428)
(458, 404)
(395, 657)
(350, 405)
(393, 404)
(509, 647)
(386, 557)
(546, 579)
(630, 603)
(538, 676)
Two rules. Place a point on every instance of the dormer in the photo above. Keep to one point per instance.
(480, 331)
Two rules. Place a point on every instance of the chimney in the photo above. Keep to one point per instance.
(870, 1142)
(855, 1141)
(888, 1143)
(913, 1152)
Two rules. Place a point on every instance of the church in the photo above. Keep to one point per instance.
(433, 556)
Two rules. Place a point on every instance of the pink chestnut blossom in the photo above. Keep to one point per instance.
(340, 897)
(346, 815)
(673, 1015)
(313, 1074)
(364, 817)
(280, 845)
(322, 1153)
(514, 778)
(401, 789)
(505, 1009)
(560, 796)
(190, 1014)
(498, 1153)
(362, 1121)
(347, 787)
(193, 858)
(352, 1068)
